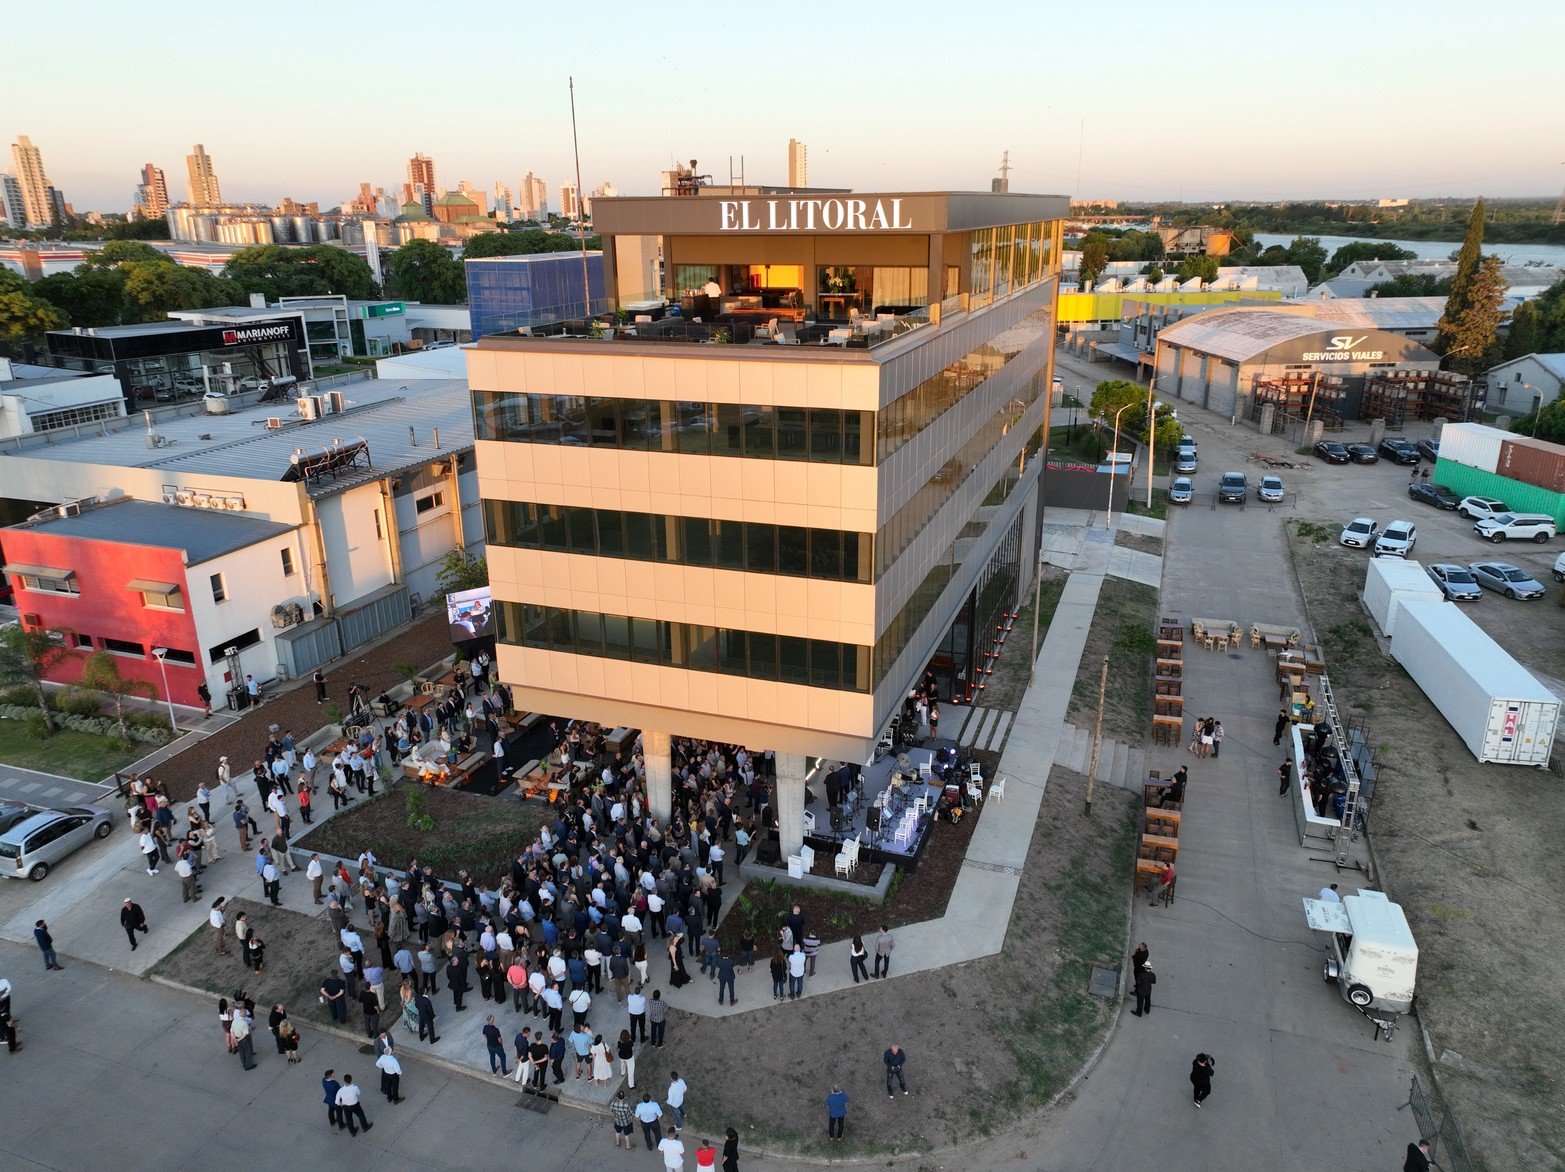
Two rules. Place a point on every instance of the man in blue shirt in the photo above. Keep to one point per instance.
(46, 946)
(496, 1047)
(836, 1112)
(331, 1086)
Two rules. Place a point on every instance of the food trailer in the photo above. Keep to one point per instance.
(1370, 953)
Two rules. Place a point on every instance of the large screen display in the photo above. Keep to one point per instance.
(471, 615)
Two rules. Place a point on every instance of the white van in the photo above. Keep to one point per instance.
(1559, 568)
(1370, 953)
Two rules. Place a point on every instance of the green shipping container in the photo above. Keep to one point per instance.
(1522, 498)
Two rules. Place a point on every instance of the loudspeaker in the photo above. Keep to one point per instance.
(872, 818)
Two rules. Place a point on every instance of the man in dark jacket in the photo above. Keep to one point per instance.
(133, 920)
(1145, 979)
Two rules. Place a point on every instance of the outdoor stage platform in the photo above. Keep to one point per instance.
(878, 796)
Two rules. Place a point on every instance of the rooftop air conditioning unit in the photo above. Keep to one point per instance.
(201, 500)
(170, 497)
(309, 409)
(183, 497)
(234, 504)
(336, 402)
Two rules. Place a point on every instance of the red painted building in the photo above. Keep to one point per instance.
(131, 576)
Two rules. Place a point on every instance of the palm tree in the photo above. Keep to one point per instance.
(102, 674)
(28, 656)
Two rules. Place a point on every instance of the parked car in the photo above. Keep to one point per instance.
(1506, 579)
(1360, 533)
(1538, 527)
(1559, 568)
(1185, 460)
(13, 812)
(1233, 487)
(1433, 494)
(1181, 491)
(1428, 449)
(1332, 452)
(1476, 508)
(1362, 454)
(1187, 441)
(1397, 541)
(1399, 451)
(30, 848)
(1454, 582)
(1270, 490)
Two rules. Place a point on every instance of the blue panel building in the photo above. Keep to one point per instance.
(505, 293)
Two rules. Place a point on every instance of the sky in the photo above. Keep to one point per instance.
(1197, 101)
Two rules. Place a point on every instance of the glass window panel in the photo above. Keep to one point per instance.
(792, 433)
(793, 660)
(638, 537)
(551, 528)
(569, 415)
(589, 632)
(763, 656)
(697, 541)
(649, 640)
(701, 654)
(695, 428)
(731, 657)
(635, 422)
(761, 432)
(826, 553)
(791, 550)
(559, 634)
(663, 430)
(825, 664)
(855, 425)
(616, 636)
(729, 544)
(582, 532)
(535, 624)
(855, 557)
(611, 533)
(665, 538)
(760, 548)
(826, 435)
(729, 438)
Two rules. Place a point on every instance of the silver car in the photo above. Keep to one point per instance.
(1271, 490)
(1507, 579)
(1454, 582)
(30, 848)
(1180, 491)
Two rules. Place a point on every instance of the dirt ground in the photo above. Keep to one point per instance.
(1122, 629)
(480, 833)
(986, 1041)
(1139, 541)
(423, 643)
(914, 896)
(300, 952)
(1471, 852)
(1004, 688)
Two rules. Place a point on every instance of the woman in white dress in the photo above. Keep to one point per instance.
(602, 1061)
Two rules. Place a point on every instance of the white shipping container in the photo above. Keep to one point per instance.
(1472, 444)
(1498, 707)
(1390, 581)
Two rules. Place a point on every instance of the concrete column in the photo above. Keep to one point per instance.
(789, 801)
(655, 748)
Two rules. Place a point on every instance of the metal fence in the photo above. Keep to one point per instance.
(1446, 1149)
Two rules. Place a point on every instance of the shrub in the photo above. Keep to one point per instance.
(78, 702)
(18, 696)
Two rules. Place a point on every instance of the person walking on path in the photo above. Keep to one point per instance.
(494, 1043)
(856, 958)
(627, 1058)
(1417, 1157)
(836, 1113)
(148, 845)
(1201, 1071)
(677, 1089)
(883, 946)
(602, 1061)
(1145, 979)
(624, 1120)
(241, 1033)
(319, 678)
(330, 1086)
(348, 1096)
(46, 946)
(649, 1113)
(1280, 727)
(1139, 957)
(731, 1151)
(390, 1076)
(133, 920)
(426, 1019)
(1217, 739)
(895, 1058)
(673, 1150)
(1283, 772)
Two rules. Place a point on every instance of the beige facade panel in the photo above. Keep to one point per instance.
(790, 718)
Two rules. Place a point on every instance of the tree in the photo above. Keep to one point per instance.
(1525, 334)
(138, 230)
(422, 270)
(1094, 257)
(274, 272)
(1548, 424)
(27, 656)
(1413, 285)
(1366, 250)
(24, 317)
(1544, 320)
(1152, 271)
(101, 673)
(1467, 261)
(122, 252)
(526, 242)
(1468, 339)
(88, 297)
(460, 570)
(1308, 253)
(1112, 394)
(1204, 267)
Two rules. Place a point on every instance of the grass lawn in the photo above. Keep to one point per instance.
(1159, 509)
(1005, 687)
(1088, 444)
(480, 833)
(70, 754)
(1122, 630)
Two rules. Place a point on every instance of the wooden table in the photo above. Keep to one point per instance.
(1168, 816)
(1170, 667)
(1167, 730)
(1159, 842)
(1175, 647)
(1274, 643)
(1167, 685)
(421, 700)
(1168, 705)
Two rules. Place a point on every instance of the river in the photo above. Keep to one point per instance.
(1517, 254)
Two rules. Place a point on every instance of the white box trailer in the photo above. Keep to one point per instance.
(1370, 953)
(1390, 581)
(1498, 707)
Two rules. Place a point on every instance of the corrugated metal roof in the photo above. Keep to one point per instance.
(1383, 313)
(396, 419)
(202, 534)
(1239, 334)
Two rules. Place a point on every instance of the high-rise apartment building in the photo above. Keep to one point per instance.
(798, 164)
(421, 172)
(570, 202)
(12, 209)
(500, 202)
(37, 203)
(151, 194)
(770, 541)
(205, 191)
(533, 197)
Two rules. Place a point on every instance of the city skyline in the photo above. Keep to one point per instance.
(1282, 115)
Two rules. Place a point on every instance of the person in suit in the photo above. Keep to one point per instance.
(1201, 1076)
(331, 1086)
(133, 920)
(1144, 980)
(426, 1018)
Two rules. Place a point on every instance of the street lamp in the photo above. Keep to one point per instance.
(158, 653)
(1108, 516)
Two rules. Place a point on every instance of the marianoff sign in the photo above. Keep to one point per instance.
(1344, 348)
(813, 215)
(252, 334)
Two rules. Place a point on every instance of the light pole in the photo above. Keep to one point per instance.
(1151, 435)
(1108, 516)
(158, 653)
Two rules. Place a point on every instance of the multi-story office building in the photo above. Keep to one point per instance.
(765, 527)
(37, 203)
(798, 164)
(570, 202)
(152, 194)
(205, 191)
(12, 208)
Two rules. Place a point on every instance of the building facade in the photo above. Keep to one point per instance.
(205, 191)
(1526, 384)
(32, 184)
(769, 543)
(152, 194)
(798, 164)
(509, 293)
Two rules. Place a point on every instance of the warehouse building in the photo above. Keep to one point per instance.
(1527, 474)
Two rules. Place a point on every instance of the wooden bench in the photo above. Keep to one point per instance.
(1159, 842)
(1167, 730)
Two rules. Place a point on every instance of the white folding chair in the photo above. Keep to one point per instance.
(975, 791)
(925, 772)
(809, 821)
(844, 861)
(997, 789)
(975, 773)
(807, 858)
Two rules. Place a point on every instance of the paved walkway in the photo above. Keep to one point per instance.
(48, 789)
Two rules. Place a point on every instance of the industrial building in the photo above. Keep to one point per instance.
(39, 399)
(765, 527)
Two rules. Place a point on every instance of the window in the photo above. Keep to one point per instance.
(250, 638)
(377, 525)
(429, 502)
(287, 561)
(125, 647)
(80, 640)
(219, 588)
(182, 658)
(75, 416)
(64, 583)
